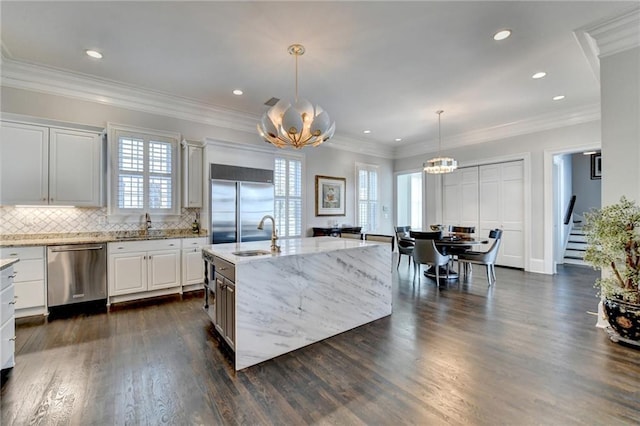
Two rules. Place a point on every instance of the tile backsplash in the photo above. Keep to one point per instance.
(44, 220)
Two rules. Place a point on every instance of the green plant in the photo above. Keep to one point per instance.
(613, 237)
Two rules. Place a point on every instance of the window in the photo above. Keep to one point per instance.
(409, 199)
(288, 196)
(367, 177)
(144, 173)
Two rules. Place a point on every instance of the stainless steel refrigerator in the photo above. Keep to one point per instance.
(240, 198)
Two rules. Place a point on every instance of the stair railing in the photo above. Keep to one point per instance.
(567, 216)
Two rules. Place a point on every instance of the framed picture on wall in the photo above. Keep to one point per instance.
(596, 166)
(330, 196)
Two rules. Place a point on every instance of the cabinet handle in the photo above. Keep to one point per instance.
(13, 339)
(13, 254)
(14, 275)
(170, 245)
(230, 289)
(195, 250)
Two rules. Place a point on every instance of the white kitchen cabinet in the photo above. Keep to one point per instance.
(7, 318)
(143, 268)
(45, 165)
(192, 263)
(29, 281)
(192, 167)
(75, 168)
(24, 161)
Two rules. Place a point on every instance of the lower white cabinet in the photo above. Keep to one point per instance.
(143, 266)
(30, 284)
(7, 318)
(192, 263)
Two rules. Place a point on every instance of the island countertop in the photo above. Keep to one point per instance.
(289, 247)
(314, 288)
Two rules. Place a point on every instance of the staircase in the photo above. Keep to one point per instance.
(576, 246)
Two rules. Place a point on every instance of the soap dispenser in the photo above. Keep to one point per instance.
(195, 226)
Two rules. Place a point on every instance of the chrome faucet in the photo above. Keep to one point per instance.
(274, 232)
(147, 219)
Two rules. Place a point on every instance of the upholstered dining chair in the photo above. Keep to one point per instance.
(405, 246)
(381, 238)
(487, 258)
(426, 253)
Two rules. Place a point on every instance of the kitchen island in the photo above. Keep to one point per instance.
(313, 289)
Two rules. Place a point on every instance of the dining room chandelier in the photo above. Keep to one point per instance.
(296, 125)
(440, 164)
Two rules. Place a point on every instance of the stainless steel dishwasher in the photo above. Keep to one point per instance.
(76, 273)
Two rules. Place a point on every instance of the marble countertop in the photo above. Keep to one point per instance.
(5, 263)
(25, 240)
(289, 247)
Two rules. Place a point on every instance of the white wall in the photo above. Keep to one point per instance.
(620, 94)
(587, 191)
(250, 150)
(532, 146)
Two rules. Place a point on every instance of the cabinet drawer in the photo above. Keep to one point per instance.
(7, 277)
(22, 253)
(29, 270)
(137, 246)
(194, 242)
(7, 343)
(8, 304)
(29, 294)
(227, 269)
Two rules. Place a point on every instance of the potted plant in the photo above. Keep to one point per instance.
(613, 237)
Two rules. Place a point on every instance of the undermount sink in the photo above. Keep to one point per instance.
(247, 253)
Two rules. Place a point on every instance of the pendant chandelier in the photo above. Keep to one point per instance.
(296, 125)
(440, 164)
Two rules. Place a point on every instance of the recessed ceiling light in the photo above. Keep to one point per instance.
(501, 35)
(539, 75)
(398, 139)
(558, 98)
(366, 132)
(94, 54)
(237, 92)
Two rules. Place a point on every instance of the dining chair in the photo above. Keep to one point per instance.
(405, 246)
(463, 232)
(426, 253)
(351, 235)
(381, 238)
(487, 258)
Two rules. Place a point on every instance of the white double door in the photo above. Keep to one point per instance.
(489, 197)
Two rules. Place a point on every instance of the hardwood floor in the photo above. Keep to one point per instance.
(522, 352)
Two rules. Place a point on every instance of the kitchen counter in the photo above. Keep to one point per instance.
(26, 240)
(290, 247)
(5, 263)
(313, 289)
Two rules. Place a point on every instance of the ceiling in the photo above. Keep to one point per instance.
(379, 66)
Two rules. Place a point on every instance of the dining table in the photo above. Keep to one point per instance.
(450, 244)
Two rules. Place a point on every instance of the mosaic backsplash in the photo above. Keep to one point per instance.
(45, 220)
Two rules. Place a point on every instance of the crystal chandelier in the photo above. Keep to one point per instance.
(440, 164)
(296, 125)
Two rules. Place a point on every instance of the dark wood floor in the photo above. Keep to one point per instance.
(523, 352)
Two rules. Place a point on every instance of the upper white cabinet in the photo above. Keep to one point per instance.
(42, 165)
(192, 166)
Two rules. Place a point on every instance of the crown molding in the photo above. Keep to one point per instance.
(37, 78)
(548, 121)
(617, 34)
(52, 81)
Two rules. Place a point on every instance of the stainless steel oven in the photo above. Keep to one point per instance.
(76, 273)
